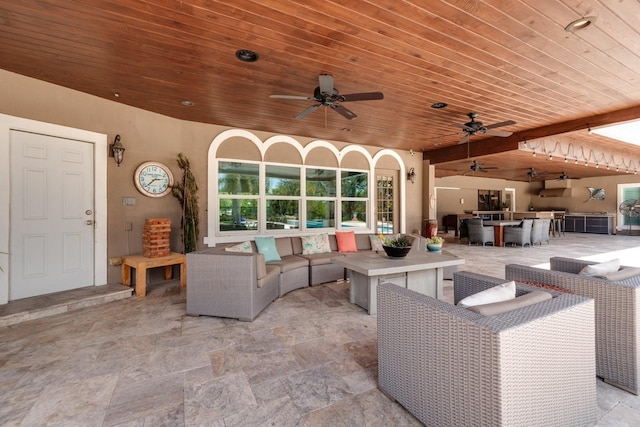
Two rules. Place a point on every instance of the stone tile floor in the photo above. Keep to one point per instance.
(308, 360)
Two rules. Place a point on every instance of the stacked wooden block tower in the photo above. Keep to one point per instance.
(155, 237)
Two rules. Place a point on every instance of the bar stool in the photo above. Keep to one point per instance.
(557, 224)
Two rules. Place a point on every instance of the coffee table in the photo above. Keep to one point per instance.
(419, 271)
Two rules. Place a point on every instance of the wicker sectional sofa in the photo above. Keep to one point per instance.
(241, 285)
(617, 311)
(450, 366)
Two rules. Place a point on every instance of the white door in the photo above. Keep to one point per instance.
(52, 215)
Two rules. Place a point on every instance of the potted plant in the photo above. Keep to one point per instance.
(505, 206)
(434, 244)
(186, 193)
(397, 246)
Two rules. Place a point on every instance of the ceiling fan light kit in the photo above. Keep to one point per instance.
(474, 127)
(326, 95)
(477, 167)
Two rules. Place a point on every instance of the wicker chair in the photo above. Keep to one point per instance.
(479, 233)
(617, 306)
(464, 229)
(449, 366)
(540, 231)
(236, 285)
(519, 235)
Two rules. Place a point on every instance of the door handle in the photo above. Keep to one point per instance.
(89, 222)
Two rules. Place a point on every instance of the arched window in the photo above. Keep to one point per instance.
(281, 186)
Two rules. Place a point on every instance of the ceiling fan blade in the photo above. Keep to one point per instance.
(306, 98)
(498, 133)
(343, 111)
(465, 127)
(365, 96)
(497, 125)
(326, 83)
(308, 111)
(464, 139)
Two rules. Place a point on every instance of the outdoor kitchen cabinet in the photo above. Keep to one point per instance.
(599, 224)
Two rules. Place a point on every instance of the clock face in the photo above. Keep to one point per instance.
(153, 179)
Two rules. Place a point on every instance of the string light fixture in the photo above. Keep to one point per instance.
(579, 154)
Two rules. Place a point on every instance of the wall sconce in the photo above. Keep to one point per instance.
(411, 175)
(116, 150)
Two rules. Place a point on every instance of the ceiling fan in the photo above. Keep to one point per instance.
(477, 167)
(474, 127)
(533, 173)
(328, 96)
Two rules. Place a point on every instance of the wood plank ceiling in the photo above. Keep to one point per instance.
(505, 60)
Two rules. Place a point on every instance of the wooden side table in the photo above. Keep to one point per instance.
(141, 263)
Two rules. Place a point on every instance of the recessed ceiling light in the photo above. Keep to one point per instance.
(187, 103)
(580, 24)
(246, 55)
(439, 105)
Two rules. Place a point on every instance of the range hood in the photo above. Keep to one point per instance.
(556, 188)
(555, 192)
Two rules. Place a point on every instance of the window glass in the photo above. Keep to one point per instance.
(354, 214)
(385, 204)
(238, 214)
(238, 178)
(630, 197)
(354, 184)
(321, 182)
(321, 213)
(283, 214)
(282, 180)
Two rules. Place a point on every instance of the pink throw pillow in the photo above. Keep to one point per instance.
(346, 241)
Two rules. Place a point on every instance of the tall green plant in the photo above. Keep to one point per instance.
(186, 192)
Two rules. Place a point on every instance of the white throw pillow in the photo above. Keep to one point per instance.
(502, 292)
(623, 273)
(501, 307)
(315, 244)
(376, 243)
(240, 247)
(601, 269)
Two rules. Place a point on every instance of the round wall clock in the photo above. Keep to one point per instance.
(153, 179)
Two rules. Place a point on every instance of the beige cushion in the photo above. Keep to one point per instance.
(525, 300)
(283, 245)
(271, 271)
(291, 262)
(502, 292)
(601, 269)
(261, 267)
(623, 273)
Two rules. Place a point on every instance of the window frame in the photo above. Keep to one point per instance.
(303, 227)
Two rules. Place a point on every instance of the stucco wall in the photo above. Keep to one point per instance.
(145, 136)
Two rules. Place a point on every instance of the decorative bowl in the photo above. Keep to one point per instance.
(434, 247)
(395, 252)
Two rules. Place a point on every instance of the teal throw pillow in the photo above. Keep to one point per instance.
(267, 247)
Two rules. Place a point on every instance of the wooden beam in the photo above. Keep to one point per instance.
(496, 145)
